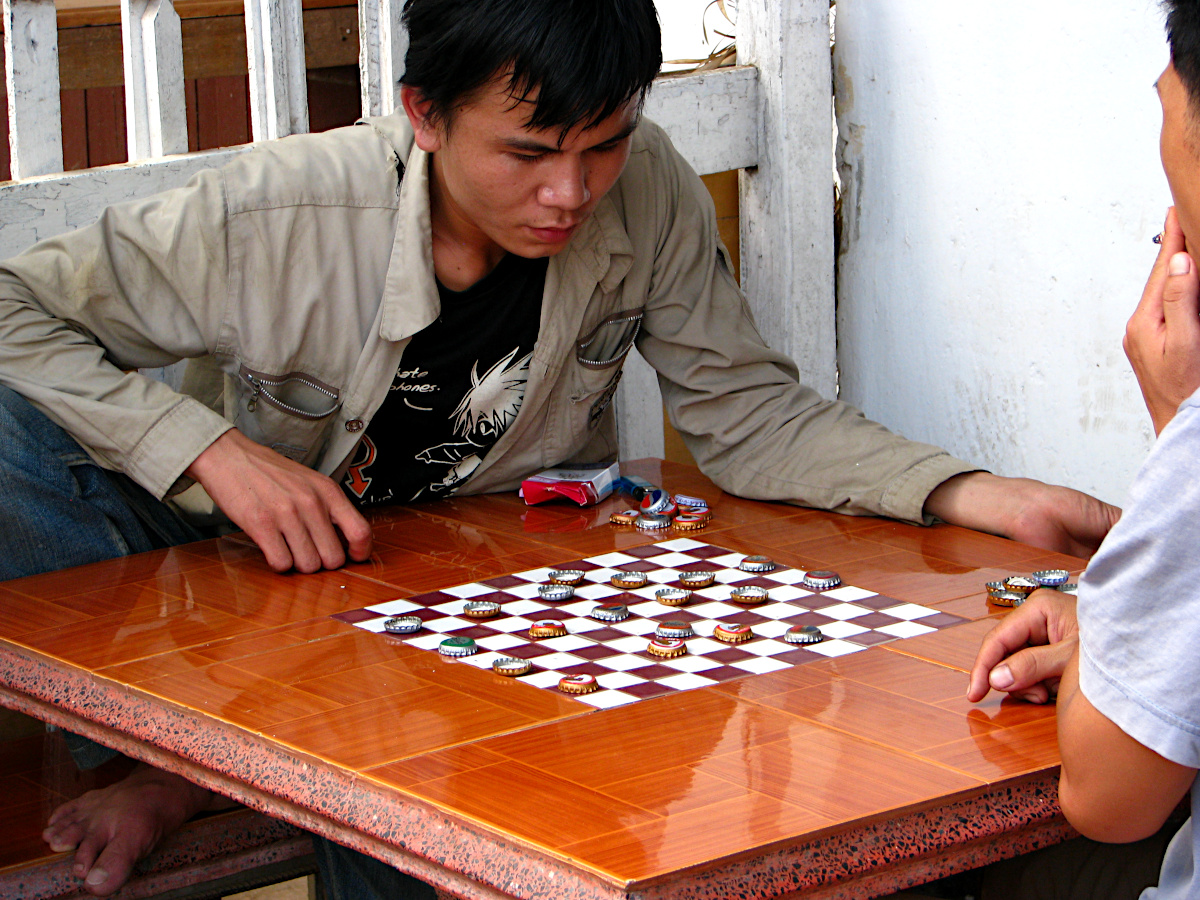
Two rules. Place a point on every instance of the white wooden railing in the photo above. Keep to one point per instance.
(769, 117)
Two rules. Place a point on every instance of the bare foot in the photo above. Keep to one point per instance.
(112, 828)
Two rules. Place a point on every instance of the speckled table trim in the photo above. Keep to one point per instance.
(468, 860)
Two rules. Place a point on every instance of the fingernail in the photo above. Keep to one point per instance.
(1001, 678)
(95, 877)
(1181, 264)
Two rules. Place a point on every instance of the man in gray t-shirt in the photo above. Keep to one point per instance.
(1125, 660)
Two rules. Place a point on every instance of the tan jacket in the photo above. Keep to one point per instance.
(301, 269)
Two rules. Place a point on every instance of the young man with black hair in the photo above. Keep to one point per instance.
(428, 303)
(1123, 660)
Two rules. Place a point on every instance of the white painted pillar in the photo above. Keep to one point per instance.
(155, 112)
(787, 199)
(31, 69)
(275, 50)
(382, 43)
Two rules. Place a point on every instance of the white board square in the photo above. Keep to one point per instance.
(844, 611)
(622, 662)
(682, 545)
(599, 576)
(906, 629)
(760, 665)
(787, 576)
(558, 661)
(777, 610)
(466, 591)
(448, 623)
(842, 629)
(583, 625)
(596, 592)
(426, 641)
(567, 642)
(611, 560)
(715, 610)
(479, 660)
(786, 593)
(685, 681)
(691, 663)
(512, 624)
(629, 645)
(393, 607)
(634, 626)
(524, 607)
(766, 647)
(701, 645)
(730, 560)
(848, 593)
(670, 560)
(606, 699)
(501, 642)
(524, 591)
(834, 648)
(771, 629)
(663, 576)
(542, 679)
(375, 625)
(581, 608)
(534, 575)
(908, 611)
(613, 680)
(733, 576)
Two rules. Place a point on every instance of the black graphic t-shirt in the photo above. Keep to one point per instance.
(459, 386)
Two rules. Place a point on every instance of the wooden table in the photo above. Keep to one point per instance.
(851, 777)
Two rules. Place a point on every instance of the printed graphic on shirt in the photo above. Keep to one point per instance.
(459, 387)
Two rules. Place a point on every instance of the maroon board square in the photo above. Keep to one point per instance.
(757, 581)
(871, 638)
(557, 615)
(358, 615)
(731, 655)
(699, 566)
(646, 689)
(708, 551)
(585, 669)
(505, 581)
(596, 651)
(746, 617)
(681, 615)
(427, 615)
(797, 657)
(437, 598)
(653, 671)
(875, 620)
(639, 566)
(724, 673)
(605, 634)
(475, 632)
(645, 551)
(878, 602)
(941, 620)
(809, 618)
(529, 651)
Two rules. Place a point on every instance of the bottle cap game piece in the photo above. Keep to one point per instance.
(1071, 588)
(1007, 598)
(731, 633)
(628, 580)
(757, 564)
(1021, 584)
(577, 684)
(510, 666)
(692, 580)
(995, 587)
(667, 648)
(804, 634)
(673, 629)
(456, 646)
(556, 593)
(701, 512)
(821, 580)
(566, 576)
(1051, 577)
(657, 501)
(748, 594)
(652, 522)
(672, 596)
(402, 625)
(685, 500)
(480, 609)
(547, 628)
(689, 522)
(610, 612)
(624, 517)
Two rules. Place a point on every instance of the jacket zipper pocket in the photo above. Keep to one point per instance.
(261, 385)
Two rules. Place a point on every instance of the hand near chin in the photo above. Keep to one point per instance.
(1162, 338)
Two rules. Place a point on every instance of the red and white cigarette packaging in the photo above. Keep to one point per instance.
(585, 485)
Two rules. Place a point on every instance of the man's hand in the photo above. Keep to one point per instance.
(293, 513)
(1162, 339)
(1045, 515)
(1028, 651)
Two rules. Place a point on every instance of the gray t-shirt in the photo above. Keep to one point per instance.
(1139, 624)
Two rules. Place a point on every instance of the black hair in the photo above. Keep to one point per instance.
(585, 59)
(1183, 34)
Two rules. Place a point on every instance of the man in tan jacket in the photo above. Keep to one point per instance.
(430, 303)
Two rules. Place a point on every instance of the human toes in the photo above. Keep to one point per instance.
(63, 831)
(111, 868)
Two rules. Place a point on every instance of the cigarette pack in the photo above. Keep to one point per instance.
(584, 485)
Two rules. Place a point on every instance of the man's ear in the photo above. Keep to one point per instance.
(429, 136)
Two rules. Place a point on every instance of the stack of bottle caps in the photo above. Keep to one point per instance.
(660, 511)
(1013, 590)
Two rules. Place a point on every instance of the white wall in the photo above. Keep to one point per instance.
(1002, 184)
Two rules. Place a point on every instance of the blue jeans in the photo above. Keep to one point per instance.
(59, 509)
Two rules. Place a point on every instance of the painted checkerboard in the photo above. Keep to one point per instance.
(615, 653)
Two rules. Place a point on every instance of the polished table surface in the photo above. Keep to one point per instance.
(852, 776)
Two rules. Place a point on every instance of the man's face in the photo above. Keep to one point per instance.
(1178, 146)
(498, 183)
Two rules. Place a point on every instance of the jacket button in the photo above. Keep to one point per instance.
(354, 425)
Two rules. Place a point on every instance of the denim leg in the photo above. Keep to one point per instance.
(59, 509)
(349, 875)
